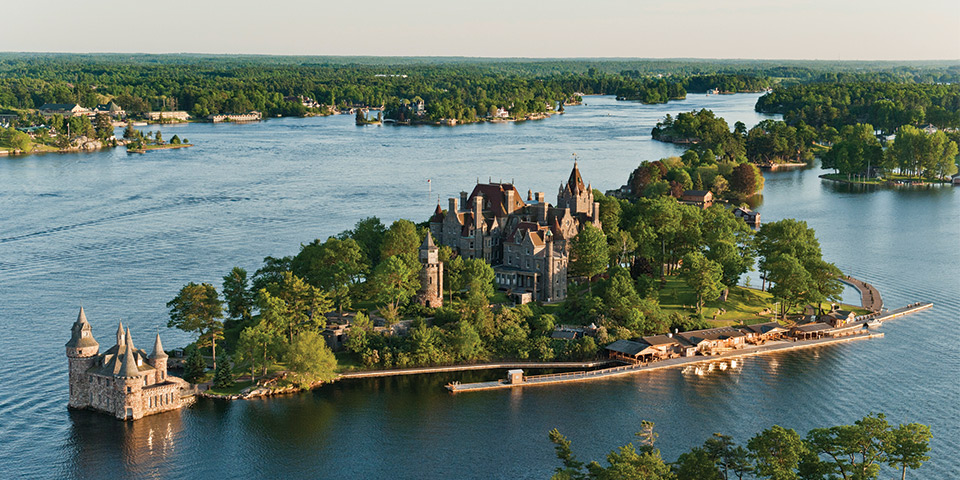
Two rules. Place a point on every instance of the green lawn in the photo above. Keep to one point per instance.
(234, 390)
(874, 181)
(742, 305)
(347, 361)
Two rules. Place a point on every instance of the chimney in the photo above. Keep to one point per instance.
(463, 199)
(541, 197)
(452, 208)
(477, 210)
(509, 200)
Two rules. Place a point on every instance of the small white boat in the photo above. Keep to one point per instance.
(874, 323)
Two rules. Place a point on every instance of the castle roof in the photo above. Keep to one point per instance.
(496, 195)
(81, 333)
(437, 215)
(129, 366)
(426, 245)
(158, 349)
(575, 183)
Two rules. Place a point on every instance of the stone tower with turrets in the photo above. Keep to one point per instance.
(431, 274)
(123, 381)
(82, 352)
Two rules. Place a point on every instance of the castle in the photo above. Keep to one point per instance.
(123, 381)
(527, 242)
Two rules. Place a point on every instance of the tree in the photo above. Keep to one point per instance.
(129, 132)
(792, 284)
(704, 276)
(743, 180)
(777, 452)
(194, 367)
(104, 126)
(310, 360)
(222, 377)
(258, 344)
(197, 308)
(477, 276)
(294, 305)
(729, 242)
(175, 140)
(856, 150)
(697, 464)
(237, 294)
(588, 252)
(454, 273)
(393, 282)
(856, 450)
(907, 447)
(358, 338)
(334, 265)
(400, 238)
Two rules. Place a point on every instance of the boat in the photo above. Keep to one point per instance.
(873, 323)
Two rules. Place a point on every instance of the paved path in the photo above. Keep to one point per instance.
(769, 347)
(869, 295)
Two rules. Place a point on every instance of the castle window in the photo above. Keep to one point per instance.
(129, 389)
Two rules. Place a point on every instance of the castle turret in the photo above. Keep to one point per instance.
(129, 382)
(121, 341)
(431, 274)
(82, 352)
(158, 359)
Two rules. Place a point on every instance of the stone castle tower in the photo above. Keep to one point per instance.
(123, 381)
(431, 275)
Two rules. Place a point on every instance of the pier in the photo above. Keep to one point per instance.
(869, 295)
(770, 347)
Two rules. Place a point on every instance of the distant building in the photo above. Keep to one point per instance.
(699, 198)
(7, 118)
(111, 109)
(251, 116)
(749, 217)
(178, 115)
(66, 110)
(526, 242)
(124, 381)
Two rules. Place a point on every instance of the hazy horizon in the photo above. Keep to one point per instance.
(856, 30)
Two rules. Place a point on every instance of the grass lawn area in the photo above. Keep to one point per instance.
(346, 362)
(742, 305)
(234, 390)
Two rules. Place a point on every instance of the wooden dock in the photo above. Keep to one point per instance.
(899, 312)
(770, 347)
(869, 295)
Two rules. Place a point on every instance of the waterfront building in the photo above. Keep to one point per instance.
(124, 381)
(750, 217)
(760, 332)
(251, 116)
(527, 242)
(65, 110)
(698, 198)
(178, 115)
(111, 109)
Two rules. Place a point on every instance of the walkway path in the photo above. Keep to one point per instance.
(869, 295)
(475, 366)
(777, 346)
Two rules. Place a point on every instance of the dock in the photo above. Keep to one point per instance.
(869, 295)
(899, 312)
(770, 347)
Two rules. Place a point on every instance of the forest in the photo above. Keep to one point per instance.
(452, 88)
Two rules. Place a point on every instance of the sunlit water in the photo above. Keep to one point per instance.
(121, 233)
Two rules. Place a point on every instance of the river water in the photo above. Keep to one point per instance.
(121, 233)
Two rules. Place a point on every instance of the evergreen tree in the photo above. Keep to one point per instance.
(222, 377)
(194, 367)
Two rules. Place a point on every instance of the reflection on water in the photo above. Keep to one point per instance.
(145, 447)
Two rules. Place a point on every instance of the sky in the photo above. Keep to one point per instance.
(755, 29)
